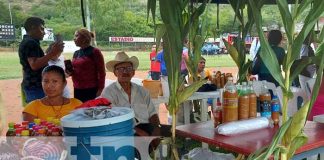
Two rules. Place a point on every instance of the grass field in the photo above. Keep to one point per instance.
(10, 67)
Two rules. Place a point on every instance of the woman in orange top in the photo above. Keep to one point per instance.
(53, 104)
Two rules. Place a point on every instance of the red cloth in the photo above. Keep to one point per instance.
(155, 65)
(89, 71)
(95, 102)
(318, 107)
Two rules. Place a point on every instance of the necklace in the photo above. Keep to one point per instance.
(57, 112)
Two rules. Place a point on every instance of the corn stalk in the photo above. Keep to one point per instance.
(173, 31)
(290, 138)
(237, 50)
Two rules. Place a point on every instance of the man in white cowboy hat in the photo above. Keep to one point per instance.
(124, 93)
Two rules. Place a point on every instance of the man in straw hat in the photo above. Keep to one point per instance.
(124, 93)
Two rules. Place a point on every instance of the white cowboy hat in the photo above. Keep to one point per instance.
(120, 58)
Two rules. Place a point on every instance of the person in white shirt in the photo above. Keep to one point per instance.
(124, 93)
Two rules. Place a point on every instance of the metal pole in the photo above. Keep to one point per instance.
(88, 15)
(10, 11)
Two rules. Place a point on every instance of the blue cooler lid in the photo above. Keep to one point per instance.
(77, 121)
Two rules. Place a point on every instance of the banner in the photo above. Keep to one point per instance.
(131, 39)
(7, 32)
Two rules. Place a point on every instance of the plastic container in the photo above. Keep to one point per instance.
(230, 102)
(252, 101)
(275, 108)
(265, 101)
(81, 134)
(243, 103)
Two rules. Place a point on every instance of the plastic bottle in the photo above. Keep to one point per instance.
(25, 133)
(230, 102)
(37, 121)
(243, 103)
(265, 101)
(55, 131)
(41, 132)
(217, 113)
(11, 131)
(252, 101)
(275, 108)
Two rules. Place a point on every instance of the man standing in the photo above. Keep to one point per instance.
(155, 65)
(33, 59)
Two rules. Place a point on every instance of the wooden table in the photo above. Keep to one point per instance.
(250, 142)
(202, 96)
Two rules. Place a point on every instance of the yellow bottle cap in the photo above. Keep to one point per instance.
(50, 119)
(37, 121)
(25, 133)
(57, 122)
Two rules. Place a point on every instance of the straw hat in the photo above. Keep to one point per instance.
(121, 57)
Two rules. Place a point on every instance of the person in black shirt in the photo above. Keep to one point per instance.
(33, 59)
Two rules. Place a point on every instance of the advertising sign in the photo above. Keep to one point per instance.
(131, 39)
(7, 32)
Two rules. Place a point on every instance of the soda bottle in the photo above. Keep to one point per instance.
(252, 101)
(217, 113)
(230, 102)
(265, 101)
(275, 108)
(243, 103)
(56, 131)
(11, 131)
(37, 121)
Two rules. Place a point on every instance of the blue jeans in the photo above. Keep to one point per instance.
(33, 93)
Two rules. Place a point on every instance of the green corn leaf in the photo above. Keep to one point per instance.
(300, 140)
(151, 6)
(233, 52)
(244, 71)
(188, 91)
(319, 60)
(298, 122)
(160, 31)
(321, 36)
(276, 154)
(267, 55)
(275, 141)
(298, 66)
(301, 8)
(286, 18)
(309, 22)
(257, 153)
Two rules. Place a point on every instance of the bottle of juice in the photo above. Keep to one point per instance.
(252, 101)
(230, 102)
(243, 103)
(265, 101)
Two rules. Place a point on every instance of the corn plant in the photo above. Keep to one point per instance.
(290, 135)
(177, 22)
(237, 50)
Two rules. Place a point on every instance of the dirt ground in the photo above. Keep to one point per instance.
(11, 108)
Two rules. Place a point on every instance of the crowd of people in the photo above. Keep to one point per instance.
(44, 76)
